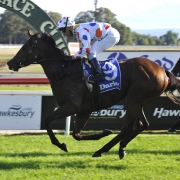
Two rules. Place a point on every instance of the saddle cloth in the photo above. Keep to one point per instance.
(112, 75)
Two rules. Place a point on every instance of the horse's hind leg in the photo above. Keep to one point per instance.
(80, 123)
(140, 124)
(131, 115)
(110, 144)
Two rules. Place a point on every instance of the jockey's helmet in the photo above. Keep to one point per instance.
(65, 22)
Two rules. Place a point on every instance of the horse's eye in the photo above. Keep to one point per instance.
(30, 51)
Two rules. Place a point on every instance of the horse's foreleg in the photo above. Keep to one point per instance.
(61, 112)
(140, 125)
(52, 137)
(80, 123)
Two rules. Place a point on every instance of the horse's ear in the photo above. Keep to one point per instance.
(30, 33)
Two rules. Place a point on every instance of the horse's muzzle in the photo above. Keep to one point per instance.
(12, 67)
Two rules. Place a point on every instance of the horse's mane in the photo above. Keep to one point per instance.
(47, 38)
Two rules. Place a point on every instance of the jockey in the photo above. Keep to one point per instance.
(93, 38)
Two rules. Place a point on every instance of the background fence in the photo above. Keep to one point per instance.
(161, 113)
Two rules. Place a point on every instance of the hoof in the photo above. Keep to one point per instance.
(107, 132)
(63, 147)
(122, 153)
(171, 131)
(96, 154)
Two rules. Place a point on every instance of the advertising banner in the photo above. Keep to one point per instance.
(18, 112)
(161, 114)
(166, 59)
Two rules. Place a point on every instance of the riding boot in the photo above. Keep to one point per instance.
(98, 72)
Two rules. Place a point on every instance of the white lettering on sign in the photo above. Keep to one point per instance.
(14, 4)
(162, 112)
(50, 25)
(27, 8)
(45, 24)
(6, 2)
(26, 11)
(20, 112)
(110, 112)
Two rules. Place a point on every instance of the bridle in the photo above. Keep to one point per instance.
(24, 62)
(34, 42)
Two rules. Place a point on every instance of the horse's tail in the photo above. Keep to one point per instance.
(173, 85)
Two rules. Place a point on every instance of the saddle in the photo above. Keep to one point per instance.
(112, 74)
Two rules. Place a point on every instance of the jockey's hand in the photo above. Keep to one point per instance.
(84, 59)
(68, 57)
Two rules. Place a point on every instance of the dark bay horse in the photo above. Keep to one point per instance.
(142, 82)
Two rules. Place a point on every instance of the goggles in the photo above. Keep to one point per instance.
(62, 29)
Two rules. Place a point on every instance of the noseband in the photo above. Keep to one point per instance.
(24, 62)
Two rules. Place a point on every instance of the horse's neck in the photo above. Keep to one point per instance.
(51, 63)
(57, 69)
(52, 69)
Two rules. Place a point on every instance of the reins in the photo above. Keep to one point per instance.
(66, 67)
(24, 63)
(38, 61)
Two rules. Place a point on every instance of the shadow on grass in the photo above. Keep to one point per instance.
(41, 154)
(62, 165)
(111, 152)
(153, 152)
(54, 162)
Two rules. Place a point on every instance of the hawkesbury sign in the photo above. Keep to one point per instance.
(35, 16)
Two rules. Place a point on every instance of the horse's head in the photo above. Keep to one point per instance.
(176, 69)
(31, 51)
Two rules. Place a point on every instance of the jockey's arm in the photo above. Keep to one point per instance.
(84, 40)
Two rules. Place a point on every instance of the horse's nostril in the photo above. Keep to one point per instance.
(8, 63)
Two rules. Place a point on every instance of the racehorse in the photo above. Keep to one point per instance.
(142, 82)
(176, 69)
(176, 72)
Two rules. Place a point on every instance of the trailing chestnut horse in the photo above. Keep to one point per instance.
(176, 72)
(142, 82)
(176, 69)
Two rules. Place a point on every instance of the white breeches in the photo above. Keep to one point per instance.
(108, 41)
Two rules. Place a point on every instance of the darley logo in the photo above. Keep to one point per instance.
(106, 86)
(17, 111)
